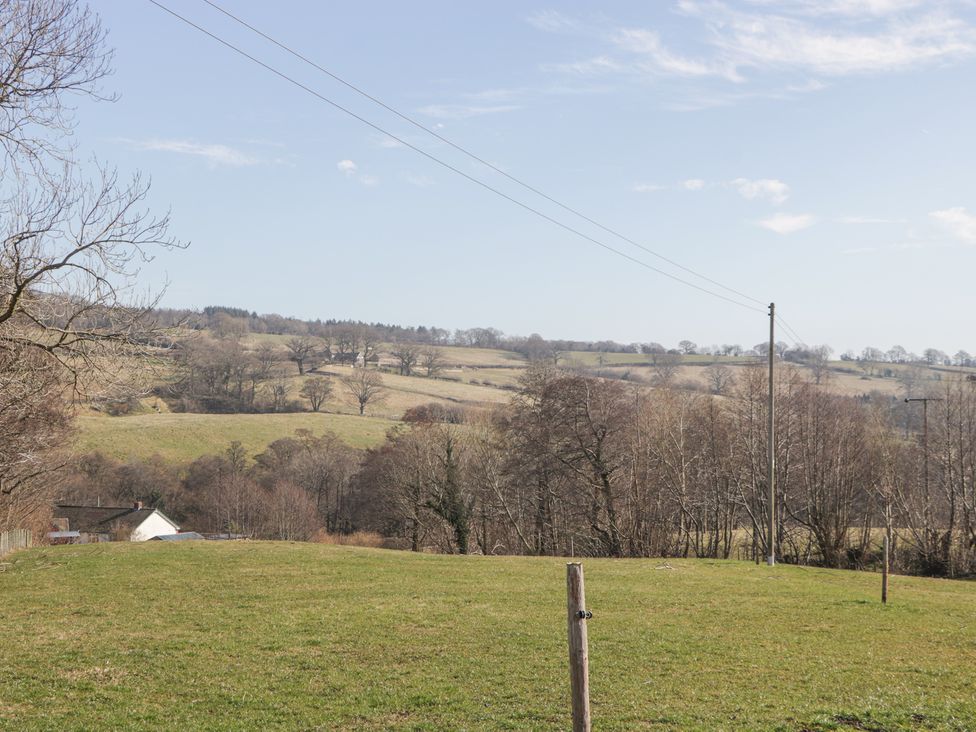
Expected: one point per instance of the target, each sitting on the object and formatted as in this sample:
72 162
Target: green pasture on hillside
184 437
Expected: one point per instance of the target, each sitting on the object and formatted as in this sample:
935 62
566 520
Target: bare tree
301 349
432 361
267 359
665 367
70 247
368 344
317 390
365 387
819 361
688 347
279 393
407 355
50 49
719 377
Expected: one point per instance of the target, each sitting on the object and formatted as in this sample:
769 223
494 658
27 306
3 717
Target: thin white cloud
858 220
693 184
777 42
421 181
757 40
848 8
215 154
783 223
495 95
589 67
654 57
351 170
552 21
649 187
388 143
464 111
769 189
958 222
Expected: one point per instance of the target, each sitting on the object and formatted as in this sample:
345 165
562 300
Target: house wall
155 525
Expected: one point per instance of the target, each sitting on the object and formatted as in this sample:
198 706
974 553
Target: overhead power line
419 125
794 336
447 165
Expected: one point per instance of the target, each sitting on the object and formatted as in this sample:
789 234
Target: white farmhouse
107 523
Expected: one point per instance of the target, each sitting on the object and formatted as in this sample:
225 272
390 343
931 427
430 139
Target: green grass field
229 636
183 437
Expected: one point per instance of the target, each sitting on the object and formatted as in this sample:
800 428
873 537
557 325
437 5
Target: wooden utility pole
771 447
884 572
579 671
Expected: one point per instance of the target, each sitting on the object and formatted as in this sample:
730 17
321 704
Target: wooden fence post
579 672
884 573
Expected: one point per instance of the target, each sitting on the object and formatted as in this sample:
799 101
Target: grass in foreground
299 636
183 437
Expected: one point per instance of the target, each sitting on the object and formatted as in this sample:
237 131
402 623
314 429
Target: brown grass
369 539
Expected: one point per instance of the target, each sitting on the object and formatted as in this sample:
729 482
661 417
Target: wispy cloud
215 154
849 8
348 167
649 187
464 111
421 181
351 170
769 189
958 222
552 21
655 58
783 223
776 42
785 47
765 189
387 142
859 220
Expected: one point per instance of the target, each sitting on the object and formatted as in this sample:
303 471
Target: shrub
356 538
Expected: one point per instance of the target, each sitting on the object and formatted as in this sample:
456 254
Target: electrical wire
794 336
448 166
407 118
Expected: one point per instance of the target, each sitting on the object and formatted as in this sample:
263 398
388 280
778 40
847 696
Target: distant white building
113 523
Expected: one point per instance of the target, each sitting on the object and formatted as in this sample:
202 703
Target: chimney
137 505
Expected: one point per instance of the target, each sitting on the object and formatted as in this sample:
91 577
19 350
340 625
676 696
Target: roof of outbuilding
99 519
185 536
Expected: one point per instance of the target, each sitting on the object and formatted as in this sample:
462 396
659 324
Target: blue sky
818 153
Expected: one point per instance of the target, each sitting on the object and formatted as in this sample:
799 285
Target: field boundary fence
15 539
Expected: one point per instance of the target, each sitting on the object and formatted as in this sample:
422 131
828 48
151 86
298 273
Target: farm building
108 523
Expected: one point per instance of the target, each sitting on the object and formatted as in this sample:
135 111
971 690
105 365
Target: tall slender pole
579 672
771 448
884 570
925 453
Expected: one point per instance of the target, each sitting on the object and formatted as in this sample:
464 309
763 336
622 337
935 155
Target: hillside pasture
404 392
258 635
184 437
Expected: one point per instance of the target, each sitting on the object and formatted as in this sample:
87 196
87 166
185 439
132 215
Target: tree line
593 467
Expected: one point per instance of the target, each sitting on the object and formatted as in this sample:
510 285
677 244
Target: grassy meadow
185 437
257 635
